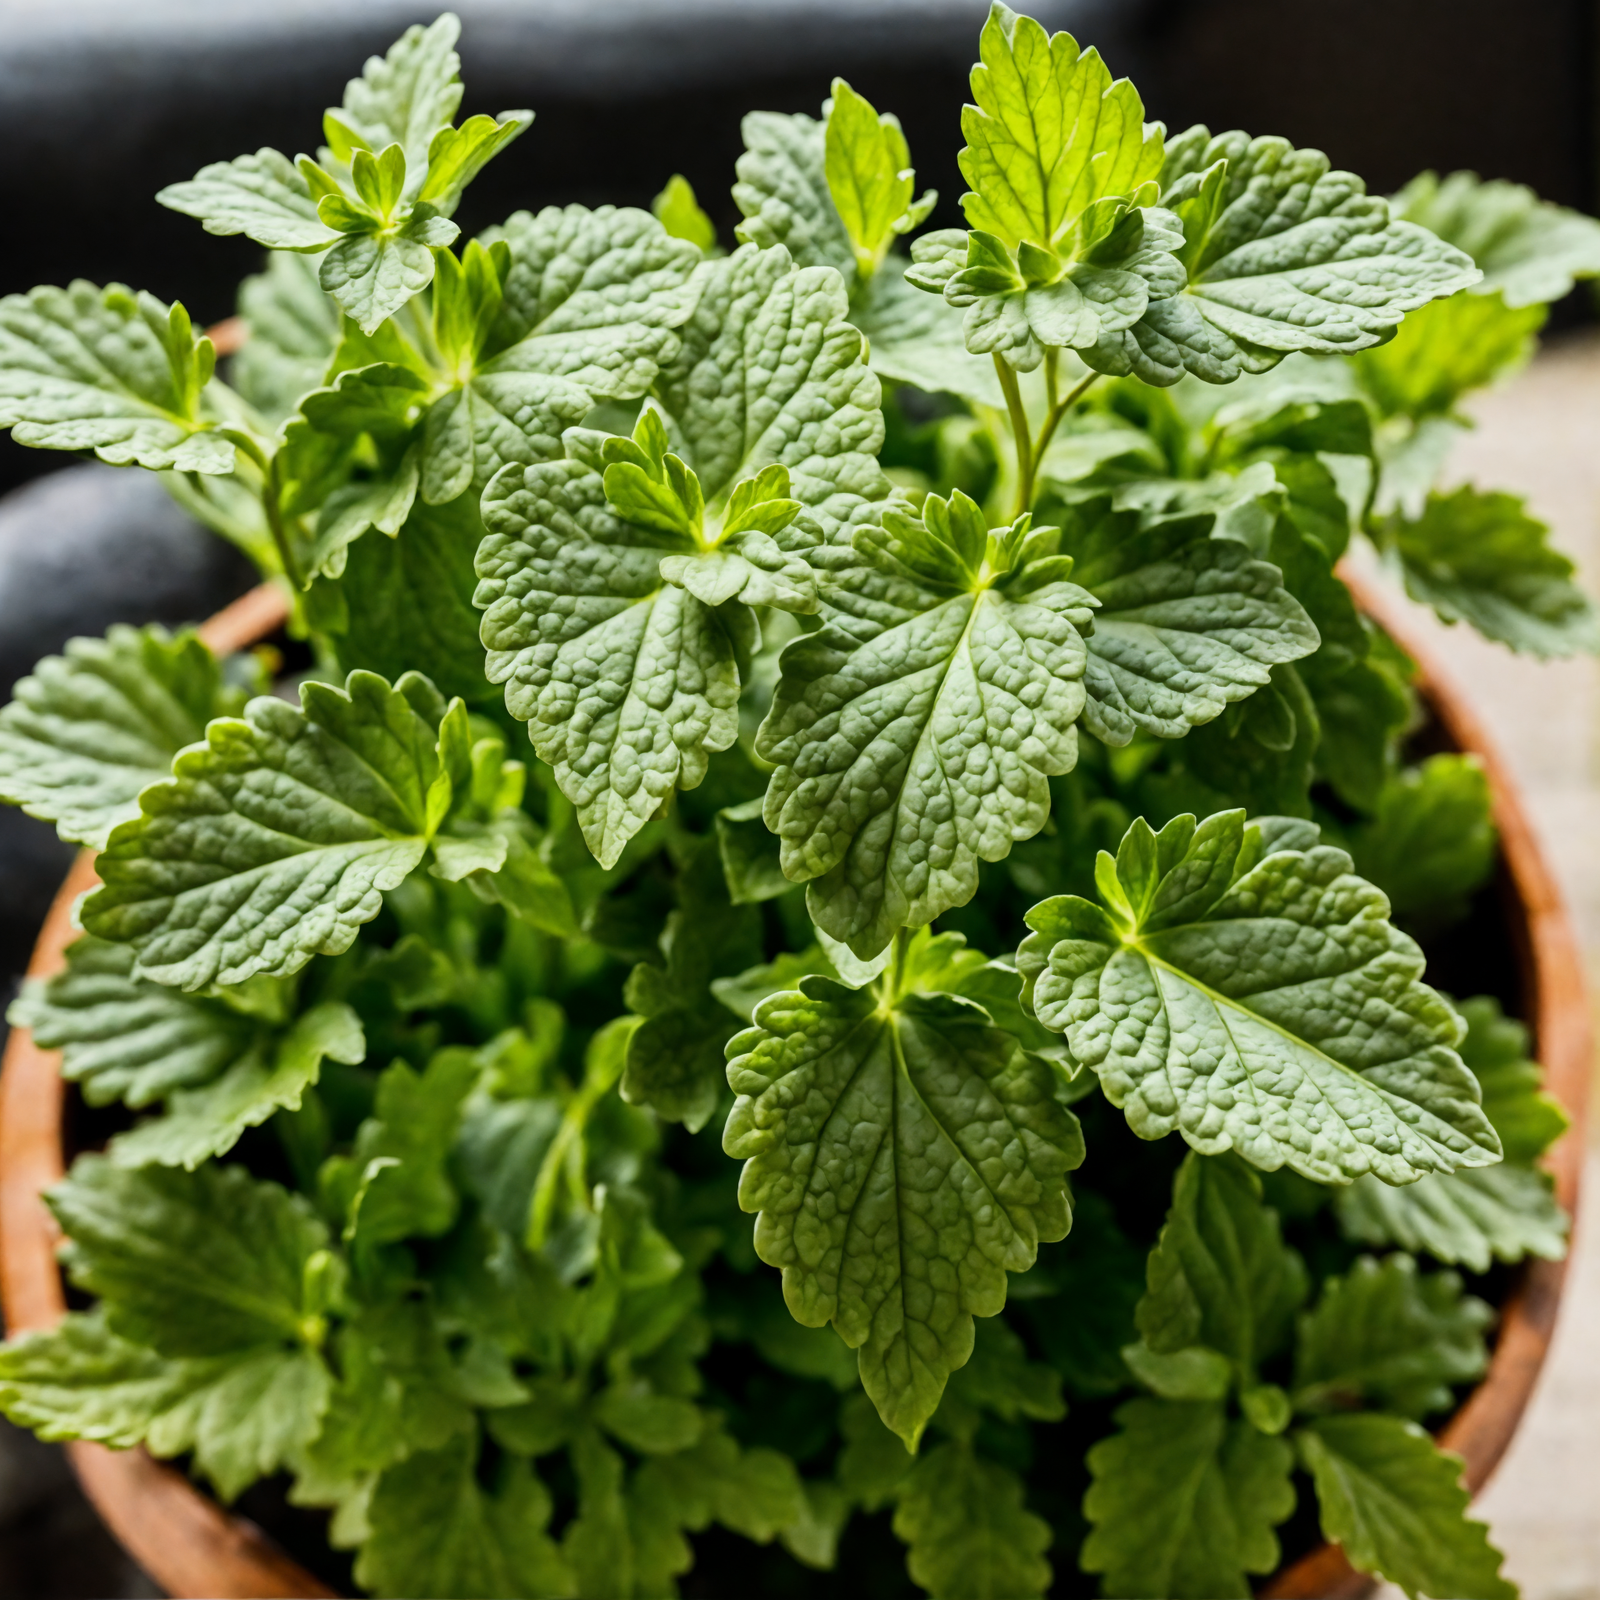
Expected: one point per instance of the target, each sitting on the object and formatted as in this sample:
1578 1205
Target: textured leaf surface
243 1415
627 682
592 296
902 1161
1527 1119
1242 986
1480 558
205 1122
968 1532
106 370
771 371
293 329
1386 1336
915 338
263 196
914 734
88 730
1186 625
1528 249
1395 1501
1284 254
1184 1502
275 839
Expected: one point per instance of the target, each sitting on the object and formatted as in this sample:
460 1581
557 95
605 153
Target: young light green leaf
1187 624
373 272
1220 1275
1469 1219
408 95
1396 1503
1431 843
264 196
243 1415
1184 1501
206 1122
679 212
868 169
967 1528
914 734
627 681
595 296
1240 985
903 1158
1283 254
1387 1337
293 328
770 372
437 1532
1529 250
457 155
206 1263
275 839
1050 134
89 729
84 368
1480 558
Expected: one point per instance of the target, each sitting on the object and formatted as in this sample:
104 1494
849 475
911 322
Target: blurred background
102 102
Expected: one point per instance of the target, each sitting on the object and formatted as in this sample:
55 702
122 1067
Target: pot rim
194 1547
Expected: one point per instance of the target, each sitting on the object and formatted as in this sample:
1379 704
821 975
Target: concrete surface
1539 436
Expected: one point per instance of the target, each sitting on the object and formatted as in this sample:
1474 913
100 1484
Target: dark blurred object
79 550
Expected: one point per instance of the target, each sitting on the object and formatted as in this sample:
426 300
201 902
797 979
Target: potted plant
956 767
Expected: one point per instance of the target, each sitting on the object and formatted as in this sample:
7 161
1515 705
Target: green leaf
1260 752
86 731
1283 254
1444 350
408 95
1395 1501
292 329
742 994
1240 985
1529 250
868 169
106 370
1527 1119
1184 1501
205 1263
968 1530
675 1057
457 155
1480 558
1187 624
770 372
123 1037
679 212
264 196
439 1534
903 1158
627 681
783 191
243 1415
1469 1219
595 296
1220 1275
914 734
750 861
1000 1379
1431 844
373 274
206 1122
1050 134
275 839
916 339
1386 1337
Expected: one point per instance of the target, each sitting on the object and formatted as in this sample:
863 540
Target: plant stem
1021 434
271 503
1059 409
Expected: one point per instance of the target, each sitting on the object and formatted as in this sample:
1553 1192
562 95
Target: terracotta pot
192 1547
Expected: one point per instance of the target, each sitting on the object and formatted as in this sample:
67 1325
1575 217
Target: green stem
1059 409
271 503
1021 434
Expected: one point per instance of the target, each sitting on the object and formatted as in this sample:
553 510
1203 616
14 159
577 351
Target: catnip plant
812 757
